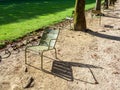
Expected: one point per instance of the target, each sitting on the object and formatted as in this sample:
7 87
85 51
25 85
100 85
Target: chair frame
42 51
95 12
70 19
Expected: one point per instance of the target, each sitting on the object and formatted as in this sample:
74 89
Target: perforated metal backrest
49 38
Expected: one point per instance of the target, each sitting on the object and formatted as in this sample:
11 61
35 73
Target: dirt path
85 60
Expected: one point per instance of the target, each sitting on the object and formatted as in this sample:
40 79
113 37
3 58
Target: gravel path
88 61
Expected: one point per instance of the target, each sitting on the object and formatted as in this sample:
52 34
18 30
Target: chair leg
70 25
91 19
56 53
42 60
25 69
100 21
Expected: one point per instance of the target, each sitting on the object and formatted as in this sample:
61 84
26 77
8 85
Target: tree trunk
106 4
98 5
112 2
79 16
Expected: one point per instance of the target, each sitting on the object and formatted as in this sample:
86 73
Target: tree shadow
108 26
111 16
19 10
90 1
116 38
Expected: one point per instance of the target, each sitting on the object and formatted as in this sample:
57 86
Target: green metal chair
97 14
47 42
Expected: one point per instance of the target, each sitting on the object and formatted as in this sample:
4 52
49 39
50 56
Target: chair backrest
49 38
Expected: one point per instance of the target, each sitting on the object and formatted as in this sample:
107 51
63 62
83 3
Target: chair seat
38 48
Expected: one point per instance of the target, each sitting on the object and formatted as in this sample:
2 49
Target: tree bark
112 2
79 16
98 5
106 6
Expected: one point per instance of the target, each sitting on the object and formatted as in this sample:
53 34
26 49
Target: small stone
24 42
118 59
28 82
115 73
96 82
103 31
25 69
77 83
72 36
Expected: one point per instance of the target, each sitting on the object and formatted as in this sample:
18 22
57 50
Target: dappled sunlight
28 10
18 18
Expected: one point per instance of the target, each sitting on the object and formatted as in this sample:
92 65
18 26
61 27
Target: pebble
27 81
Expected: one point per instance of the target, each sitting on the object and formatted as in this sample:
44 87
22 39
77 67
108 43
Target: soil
87 60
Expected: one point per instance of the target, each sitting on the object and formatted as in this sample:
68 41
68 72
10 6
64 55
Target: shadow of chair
63 70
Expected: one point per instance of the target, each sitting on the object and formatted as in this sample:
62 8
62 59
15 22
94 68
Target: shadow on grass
18 10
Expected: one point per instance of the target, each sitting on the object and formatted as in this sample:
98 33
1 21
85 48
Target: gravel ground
87 61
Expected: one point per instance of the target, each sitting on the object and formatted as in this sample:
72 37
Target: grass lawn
19 17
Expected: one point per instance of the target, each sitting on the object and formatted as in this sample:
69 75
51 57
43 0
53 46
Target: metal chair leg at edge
55 53
26 69
41 60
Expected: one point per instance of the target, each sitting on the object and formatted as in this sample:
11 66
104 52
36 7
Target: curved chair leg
25 69
56 53
42 60
70 25
100 21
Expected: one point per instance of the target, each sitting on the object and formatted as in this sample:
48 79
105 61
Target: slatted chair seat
37 48
47 42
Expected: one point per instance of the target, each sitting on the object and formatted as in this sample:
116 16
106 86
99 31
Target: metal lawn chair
47 42
96 13
70 19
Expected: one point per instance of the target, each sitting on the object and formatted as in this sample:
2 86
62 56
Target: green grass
19 17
